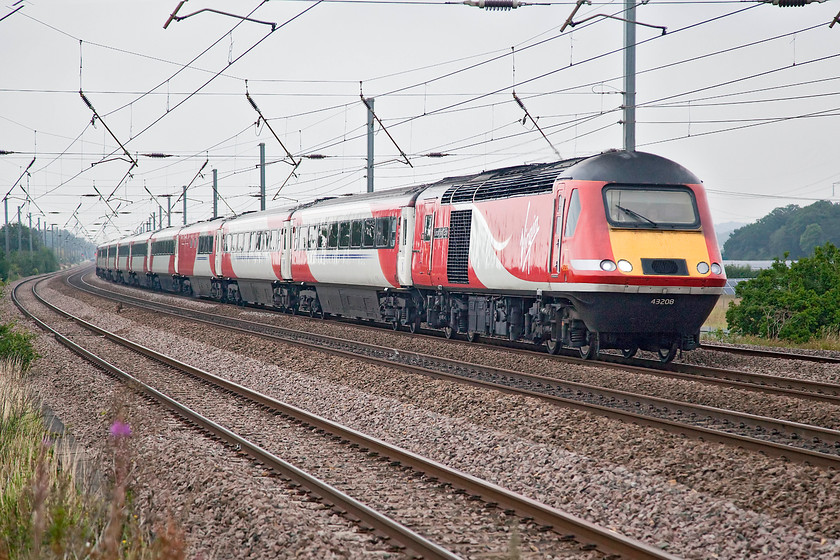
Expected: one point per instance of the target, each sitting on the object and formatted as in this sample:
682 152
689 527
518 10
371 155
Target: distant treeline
791 229
20 261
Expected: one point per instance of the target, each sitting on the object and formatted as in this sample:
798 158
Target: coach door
425 242
557 235
406 241
284 247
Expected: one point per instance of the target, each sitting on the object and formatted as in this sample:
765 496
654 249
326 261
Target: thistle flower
120 429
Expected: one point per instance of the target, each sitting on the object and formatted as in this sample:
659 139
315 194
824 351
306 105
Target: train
612 251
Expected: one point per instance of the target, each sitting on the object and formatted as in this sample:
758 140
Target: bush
16 346
793 303
740 271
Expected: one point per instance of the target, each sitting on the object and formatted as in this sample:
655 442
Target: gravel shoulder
699 500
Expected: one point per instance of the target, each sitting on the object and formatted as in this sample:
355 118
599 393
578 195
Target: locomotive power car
615 251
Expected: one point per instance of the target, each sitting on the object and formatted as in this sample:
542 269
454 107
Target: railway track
776 354
795 441
764 383
358 448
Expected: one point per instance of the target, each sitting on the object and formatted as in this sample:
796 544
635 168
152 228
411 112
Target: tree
812 237
794 303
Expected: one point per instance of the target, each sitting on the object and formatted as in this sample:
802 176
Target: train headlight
703 267
625 266
607 265
716 269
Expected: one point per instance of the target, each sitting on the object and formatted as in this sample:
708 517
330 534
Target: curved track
592 536
795 441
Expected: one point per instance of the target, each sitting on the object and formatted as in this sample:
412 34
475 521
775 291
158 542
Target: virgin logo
526 241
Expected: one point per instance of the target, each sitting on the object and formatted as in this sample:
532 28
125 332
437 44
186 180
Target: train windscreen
646 207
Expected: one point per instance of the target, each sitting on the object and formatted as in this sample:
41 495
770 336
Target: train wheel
590 351
630 351
472 336
395 325
553 346
448 332
414 326
666 355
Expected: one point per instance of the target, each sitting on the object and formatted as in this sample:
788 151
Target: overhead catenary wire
181 161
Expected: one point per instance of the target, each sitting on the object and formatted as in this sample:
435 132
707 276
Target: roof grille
506 183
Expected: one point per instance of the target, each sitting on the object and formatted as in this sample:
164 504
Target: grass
717 319
45 512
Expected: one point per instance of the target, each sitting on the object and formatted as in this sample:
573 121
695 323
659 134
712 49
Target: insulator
790 3
494 4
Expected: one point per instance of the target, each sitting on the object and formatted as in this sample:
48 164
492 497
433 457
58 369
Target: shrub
795 303
16 346
740 271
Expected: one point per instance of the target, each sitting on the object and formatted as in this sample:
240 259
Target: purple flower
120 429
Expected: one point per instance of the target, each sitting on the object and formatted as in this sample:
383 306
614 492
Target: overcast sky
744 94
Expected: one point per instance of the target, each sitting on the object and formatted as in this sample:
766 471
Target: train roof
267 219
619 166
400 196
134 238
205 226
614 166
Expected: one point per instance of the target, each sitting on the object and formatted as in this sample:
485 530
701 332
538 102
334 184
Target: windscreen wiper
636 215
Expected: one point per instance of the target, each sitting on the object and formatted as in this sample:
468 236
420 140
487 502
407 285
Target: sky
744 94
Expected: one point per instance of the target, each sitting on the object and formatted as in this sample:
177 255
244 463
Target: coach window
369 228
313 238
356 233
303 233
333 239
574 214
344 234
385 234
323 236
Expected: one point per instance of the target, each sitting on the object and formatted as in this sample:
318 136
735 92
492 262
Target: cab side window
427 228
574 214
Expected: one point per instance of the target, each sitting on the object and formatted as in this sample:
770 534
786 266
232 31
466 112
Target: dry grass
717 319
44 512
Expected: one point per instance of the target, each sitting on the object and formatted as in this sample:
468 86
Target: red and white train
615 250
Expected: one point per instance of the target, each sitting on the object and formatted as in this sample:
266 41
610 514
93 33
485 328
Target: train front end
650 271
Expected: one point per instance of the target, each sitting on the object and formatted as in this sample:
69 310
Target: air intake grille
506 183
457 262
665 267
